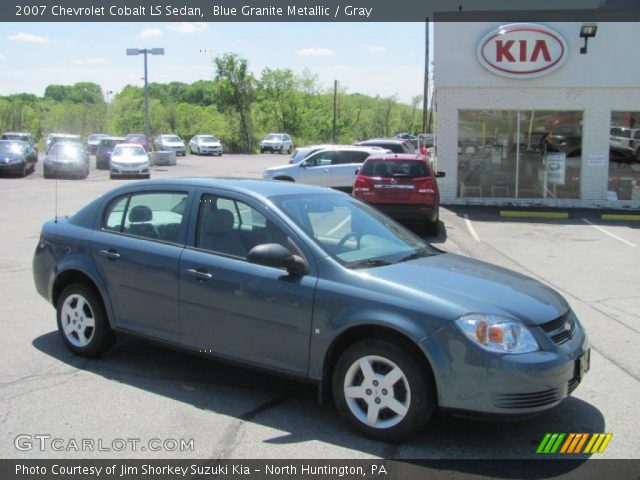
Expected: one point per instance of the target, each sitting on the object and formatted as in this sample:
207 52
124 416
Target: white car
170 143
277 142
333 167
130 159
627 140
205 144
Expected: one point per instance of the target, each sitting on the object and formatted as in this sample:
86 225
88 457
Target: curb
525 214
620 217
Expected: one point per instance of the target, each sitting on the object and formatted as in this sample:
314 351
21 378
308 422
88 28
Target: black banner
317 10
317 469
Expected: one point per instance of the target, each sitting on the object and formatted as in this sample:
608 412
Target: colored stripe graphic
553 443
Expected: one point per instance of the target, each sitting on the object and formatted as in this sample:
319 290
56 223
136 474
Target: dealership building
538 113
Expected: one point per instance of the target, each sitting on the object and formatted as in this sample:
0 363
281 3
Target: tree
236 93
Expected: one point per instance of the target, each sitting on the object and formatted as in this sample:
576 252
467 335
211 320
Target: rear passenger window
353 157
155 216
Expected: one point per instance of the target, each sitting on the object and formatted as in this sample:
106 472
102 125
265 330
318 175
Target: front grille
561 329
526 400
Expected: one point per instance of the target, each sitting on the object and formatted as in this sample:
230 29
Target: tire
433 227
401 409
195 151
25 170
82 321
261 151
289 150
111 176
46 173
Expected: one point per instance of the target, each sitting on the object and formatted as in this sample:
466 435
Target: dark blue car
312 283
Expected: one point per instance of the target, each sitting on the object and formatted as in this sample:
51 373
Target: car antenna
56 201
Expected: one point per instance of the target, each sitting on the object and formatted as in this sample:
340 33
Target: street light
587 31
145 51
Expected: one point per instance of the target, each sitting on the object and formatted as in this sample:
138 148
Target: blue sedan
310 282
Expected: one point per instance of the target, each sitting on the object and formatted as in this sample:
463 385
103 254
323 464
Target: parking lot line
606 232
472 230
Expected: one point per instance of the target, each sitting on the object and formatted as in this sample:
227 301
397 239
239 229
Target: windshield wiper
423 252
370 262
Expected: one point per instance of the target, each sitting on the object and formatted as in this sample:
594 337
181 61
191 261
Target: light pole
145 51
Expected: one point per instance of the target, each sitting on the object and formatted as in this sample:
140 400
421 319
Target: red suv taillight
362 186
427 187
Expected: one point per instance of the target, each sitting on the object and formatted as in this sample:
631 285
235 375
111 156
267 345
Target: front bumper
203 149
119 169
13 167
63 168
271 148
470 379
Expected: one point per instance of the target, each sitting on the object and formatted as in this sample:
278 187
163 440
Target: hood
462 285
272 141
210 144
279 168
129 158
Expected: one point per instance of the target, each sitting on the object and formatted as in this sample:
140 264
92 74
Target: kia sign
522 50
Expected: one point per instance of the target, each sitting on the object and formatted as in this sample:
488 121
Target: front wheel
383 391
82 321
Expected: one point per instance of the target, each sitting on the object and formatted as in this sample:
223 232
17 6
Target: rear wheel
382 390
82 321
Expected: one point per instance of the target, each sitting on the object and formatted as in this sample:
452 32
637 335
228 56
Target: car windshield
300 154
136 138
621 132
394 168
129 150
10 147
207 138
66 149
14 136
350 231
273 136
171 138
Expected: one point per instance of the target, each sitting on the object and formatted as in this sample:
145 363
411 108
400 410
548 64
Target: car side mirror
277 256
357 170
441 174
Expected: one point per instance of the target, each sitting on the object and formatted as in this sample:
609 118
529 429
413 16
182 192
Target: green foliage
233 105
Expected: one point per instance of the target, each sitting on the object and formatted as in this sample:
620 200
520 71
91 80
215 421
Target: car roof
356 148
137 145
112 138
391 140
399 157
64 135
16 133
249 186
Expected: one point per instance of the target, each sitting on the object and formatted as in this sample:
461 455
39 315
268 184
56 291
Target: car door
315 170
343 170
137 252
236 309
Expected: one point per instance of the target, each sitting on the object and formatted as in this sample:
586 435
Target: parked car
412 139
66 160
129 159
427 139
26 144
93 141
301 153
396 145
24 137
169 143
16 158
310 283
140 139
54 138
334 167
205 144
403 186
627 140
105 149
276 142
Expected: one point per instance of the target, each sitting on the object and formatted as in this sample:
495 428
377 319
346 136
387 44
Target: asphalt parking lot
143 391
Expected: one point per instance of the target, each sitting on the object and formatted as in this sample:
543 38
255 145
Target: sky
371 58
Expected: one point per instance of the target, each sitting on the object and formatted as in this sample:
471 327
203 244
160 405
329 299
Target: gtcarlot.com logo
574 443
44 442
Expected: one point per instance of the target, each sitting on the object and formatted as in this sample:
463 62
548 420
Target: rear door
344 167
137 251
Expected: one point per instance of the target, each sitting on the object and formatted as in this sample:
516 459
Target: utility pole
335 109
425 96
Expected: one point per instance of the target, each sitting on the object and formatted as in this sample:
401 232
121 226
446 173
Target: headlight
498 334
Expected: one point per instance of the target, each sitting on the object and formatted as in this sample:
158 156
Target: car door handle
200 273
110 254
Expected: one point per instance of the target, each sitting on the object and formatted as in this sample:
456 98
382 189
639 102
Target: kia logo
522 50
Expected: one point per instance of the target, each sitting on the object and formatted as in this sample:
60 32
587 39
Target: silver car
130 159
205 144
170 143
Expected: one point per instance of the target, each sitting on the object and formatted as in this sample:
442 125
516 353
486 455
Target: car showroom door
137 251
237 309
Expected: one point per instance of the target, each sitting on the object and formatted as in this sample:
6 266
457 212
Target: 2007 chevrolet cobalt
310 282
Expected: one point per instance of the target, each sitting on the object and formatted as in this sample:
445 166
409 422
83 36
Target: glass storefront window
519 154
624 156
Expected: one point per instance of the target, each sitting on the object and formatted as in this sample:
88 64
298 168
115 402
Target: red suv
401 185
